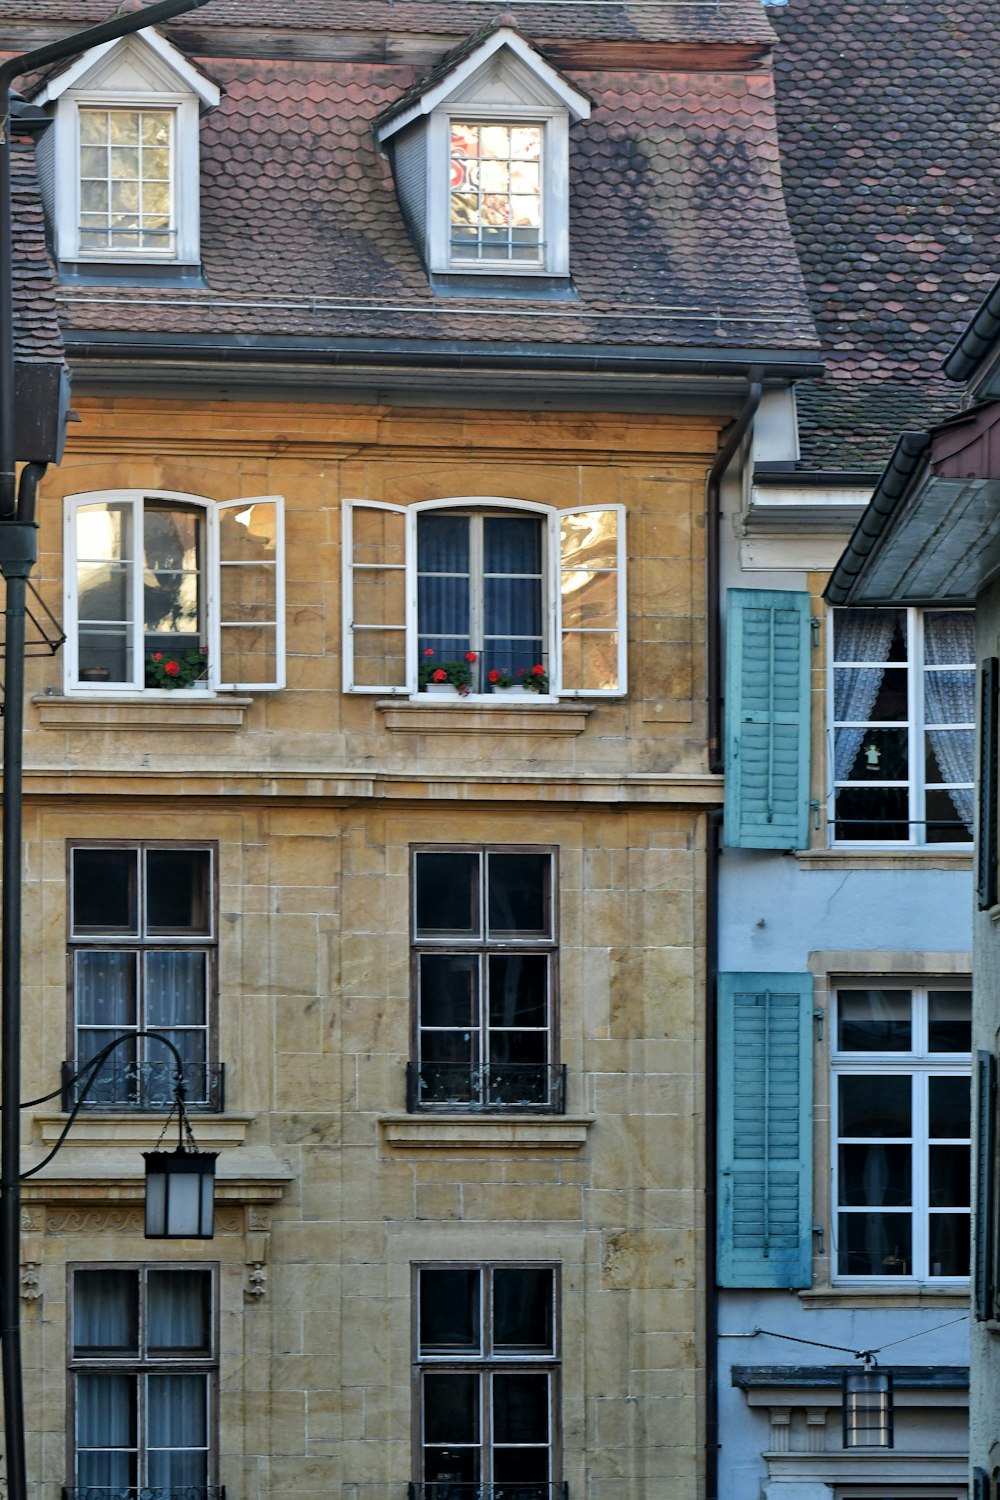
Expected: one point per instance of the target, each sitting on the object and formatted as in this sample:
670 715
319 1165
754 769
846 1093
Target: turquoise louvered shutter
767 720
765 1130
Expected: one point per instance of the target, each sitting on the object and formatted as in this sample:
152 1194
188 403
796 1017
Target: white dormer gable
124 154
481 159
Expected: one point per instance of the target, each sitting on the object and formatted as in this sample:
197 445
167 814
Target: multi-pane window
487 1359
126 192
142 958
166 592
903 716
901 1123
142 1362
495 197
514 587
484 974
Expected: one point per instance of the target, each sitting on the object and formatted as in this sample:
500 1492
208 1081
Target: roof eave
890 495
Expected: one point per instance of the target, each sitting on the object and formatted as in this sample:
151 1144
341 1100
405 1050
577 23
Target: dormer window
120 169
481 159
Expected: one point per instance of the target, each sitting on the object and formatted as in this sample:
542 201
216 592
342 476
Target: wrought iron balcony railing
145 1086
447 1489
145 1492
495 1087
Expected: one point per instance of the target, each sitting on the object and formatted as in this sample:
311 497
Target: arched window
511 584
167 591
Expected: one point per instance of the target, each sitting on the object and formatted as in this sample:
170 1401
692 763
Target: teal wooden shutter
983 1252
987 851
765 1130
767 720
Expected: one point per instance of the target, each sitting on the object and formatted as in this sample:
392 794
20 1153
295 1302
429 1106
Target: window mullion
477 608
919 1194
915 697
138 508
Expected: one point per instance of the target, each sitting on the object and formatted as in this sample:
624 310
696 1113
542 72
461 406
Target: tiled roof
37 339
597 20
677 225
889 118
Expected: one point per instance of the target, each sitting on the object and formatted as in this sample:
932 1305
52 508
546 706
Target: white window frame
552 612
214 563
919 1064
916 783
173 84
553 257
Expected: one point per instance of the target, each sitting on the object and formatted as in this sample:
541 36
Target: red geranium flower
157 655
428 652
470 656
494 675
440 675
171 668
538 670
520 671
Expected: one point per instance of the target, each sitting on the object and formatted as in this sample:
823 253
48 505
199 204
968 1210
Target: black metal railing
144 1492
144 1086
496 1086
447 1489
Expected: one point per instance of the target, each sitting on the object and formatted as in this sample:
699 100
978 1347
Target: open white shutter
248 617
591 602
374 595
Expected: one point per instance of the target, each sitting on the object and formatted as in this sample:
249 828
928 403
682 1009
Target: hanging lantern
180 1194
867 1407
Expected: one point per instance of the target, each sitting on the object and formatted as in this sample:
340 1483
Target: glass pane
113 1472
105 988
379 658
589 540
249 654
863 695
949 1244
447 894
875 1176
443 614
589 600
949 636
182 1473
872 1105
590 661
873 1020
523 1309
105 1312
521 1408
175 991
949 1176
518 989
446 1059
451 1408
869 635
155 126
872 814
449 1309
875 1244
106 1418
513 606
93 126
442 544
378 536
177 1415
949 816
179 1312
519 888
512 544
177 890
104 890
249 534
521 1473
949 1108
949 1020
104 654
871 754
448 989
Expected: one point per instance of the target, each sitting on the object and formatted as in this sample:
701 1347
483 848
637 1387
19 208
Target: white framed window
120 173
142 957
485 960
487 1360
902 717
173 593
901 1120
481 161
510 584
143 1372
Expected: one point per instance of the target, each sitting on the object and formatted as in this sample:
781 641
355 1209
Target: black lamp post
17 555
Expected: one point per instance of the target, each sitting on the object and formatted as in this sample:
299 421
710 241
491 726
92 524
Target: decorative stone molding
816 1417
781 1426
31 1285
210 715
485 1132
63 1221
502 718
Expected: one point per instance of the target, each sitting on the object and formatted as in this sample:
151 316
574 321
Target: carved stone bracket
31 1284
257 1235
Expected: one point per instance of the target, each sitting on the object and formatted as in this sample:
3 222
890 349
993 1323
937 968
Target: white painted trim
214 615
188 76
347 598
562 92
621 582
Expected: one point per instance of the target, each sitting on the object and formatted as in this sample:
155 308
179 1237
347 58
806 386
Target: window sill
483 715
141 1129
885 859
885 1296
148 711
485 1132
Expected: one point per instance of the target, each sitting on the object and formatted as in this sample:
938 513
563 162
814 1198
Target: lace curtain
949 698
863 635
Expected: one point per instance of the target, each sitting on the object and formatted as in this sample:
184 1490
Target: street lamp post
17 555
